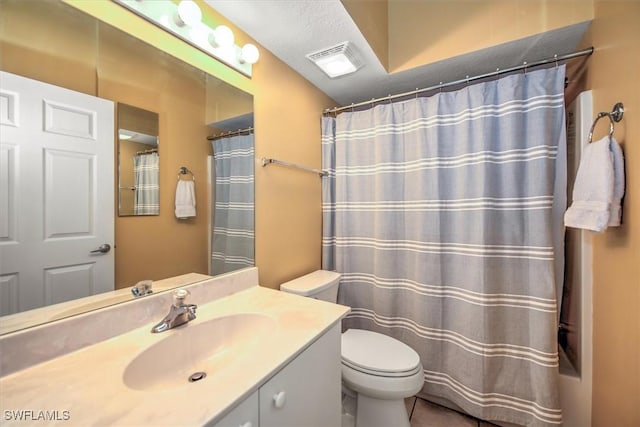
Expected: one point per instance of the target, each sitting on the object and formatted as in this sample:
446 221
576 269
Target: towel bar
266 161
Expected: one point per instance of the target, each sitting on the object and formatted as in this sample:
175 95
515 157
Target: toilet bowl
378 370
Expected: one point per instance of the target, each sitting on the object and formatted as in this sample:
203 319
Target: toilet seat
382 373
379 355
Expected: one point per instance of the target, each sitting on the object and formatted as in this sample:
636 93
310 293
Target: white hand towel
593 189
615 211
185 199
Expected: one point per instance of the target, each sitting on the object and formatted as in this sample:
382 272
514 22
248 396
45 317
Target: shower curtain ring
441 87
525 67
417 90
555 57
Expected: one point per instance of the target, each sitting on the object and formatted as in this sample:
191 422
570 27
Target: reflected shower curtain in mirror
233 235
147 189
441 214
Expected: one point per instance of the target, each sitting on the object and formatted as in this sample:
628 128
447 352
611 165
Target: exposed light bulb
249 54
222 36
200 34
189 14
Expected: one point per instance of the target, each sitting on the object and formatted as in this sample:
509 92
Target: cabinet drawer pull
279 399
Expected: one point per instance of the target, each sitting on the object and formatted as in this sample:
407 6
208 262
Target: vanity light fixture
337 60
184 20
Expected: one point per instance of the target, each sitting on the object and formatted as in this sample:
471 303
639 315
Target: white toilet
378 370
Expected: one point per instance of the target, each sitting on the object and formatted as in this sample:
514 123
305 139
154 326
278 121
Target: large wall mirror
162 107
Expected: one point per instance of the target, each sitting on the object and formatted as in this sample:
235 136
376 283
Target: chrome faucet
142 288
179 313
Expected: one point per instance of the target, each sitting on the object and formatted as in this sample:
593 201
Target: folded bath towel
593 192
185 199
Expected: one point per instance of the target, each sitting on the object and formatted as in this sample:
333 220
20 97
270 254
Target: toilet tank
321 284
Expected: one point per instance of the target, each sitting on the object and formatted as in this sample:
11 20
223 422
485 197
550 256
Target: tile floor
426 414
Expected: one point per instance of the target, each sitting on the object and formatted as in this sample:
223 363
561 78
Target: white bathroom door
56 194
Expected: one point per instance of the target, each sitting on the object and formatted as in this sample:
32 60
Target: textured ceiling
290 29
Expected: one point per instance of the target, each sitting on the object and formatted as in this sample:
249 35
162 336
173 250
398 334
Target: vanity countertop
86 387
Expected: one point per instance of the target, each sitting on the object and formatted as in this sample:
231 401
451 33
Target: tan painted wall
422 32
45 54
288 201
372 18
225 101
613 76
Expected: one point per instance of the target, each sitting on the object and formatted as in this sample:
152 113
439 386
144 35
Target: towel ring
614 116
183 171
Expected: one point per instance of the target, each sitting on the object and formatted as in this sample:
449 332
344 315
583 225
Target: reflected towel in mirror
185 199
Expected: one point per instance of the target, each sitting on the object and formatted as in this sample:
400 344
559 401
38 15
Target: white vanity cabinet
243 415
305 393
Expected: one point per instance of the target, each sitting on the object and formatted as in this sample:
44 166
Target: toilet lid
377 353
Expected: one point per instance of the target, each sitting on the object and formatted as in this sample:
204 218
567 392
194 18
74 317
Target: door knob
102 249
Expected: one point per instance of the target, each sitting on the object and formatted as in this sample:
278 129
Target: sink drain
197 376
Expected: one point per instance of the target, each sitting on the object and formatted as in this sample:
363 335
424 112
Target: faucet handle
142 288
179 295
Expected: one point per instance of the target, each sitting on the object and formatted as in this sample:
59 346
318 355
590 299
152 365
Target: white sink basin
208 347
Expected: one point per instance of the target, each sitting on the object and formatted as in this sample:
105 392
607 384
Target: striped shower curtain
439 214
146 198
233 224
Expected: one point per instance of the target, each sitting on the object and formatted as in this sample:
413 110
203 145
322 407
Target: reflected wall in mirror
75 51
138 162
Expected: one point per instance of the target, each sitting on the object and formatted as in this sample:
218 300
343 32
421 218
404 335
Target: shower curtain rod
524 66
230 133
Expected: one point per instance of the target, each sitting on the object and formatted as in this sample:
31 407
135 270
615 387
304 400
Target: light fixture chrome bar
556 59
266 161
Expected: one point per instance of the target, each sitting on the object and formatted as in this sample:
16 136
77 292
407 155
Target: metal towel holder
614 116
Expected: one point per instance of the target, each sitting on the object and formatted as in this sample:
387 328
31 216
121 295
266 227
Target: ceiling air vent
337 60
